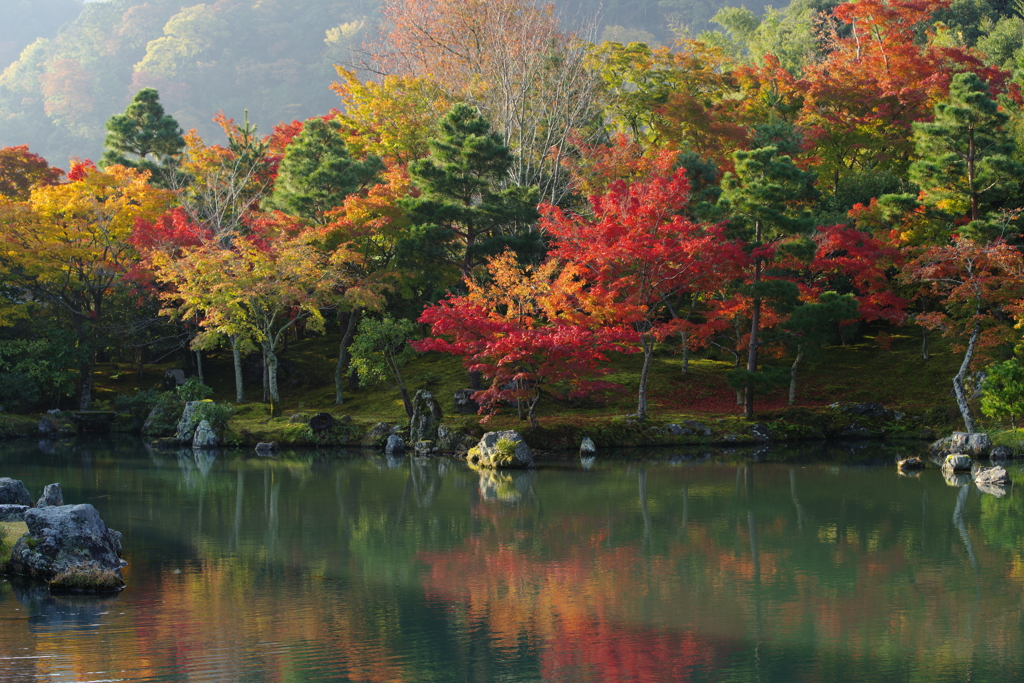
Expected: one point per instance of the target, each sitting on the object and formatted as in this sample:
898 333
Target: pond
773 566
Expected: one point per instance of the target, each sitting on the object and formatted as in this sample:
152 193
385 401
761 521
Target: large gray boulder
66 537
52 497
974 444
500 450
395 445
13 492
426 417
377 436
205 436
188 422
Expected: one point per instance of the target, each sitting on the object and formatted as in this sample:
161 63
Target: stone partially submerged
992 480
68 540
500 450
957 462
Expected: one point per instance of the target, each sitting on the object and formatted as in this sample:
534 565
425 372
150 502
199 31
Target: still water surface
352 567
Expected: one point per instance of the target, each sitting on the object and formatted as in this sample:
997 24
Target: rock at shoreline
500 450
912 463
56 425
426 417
957 462
266 447
587 447
451 440
974 444
188 422
377 436
395 445
13 492
992 476
52 497
205 436
62 538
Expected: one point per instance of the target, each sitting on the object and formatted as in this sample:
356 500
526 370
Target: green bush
193 390
217 414
136 407
19 393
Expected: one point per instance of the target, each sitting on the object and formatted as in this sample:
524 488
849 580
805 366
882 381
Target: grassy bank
885 368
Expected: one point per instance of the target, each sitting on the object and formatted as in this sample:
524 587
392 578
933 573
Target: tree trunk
266 379
647 343
406 401
686 351
199 366
958 380
85 375
755 324
140 361
755 321
792 374
475 380
339 368
925 355
275 396
85 364
236 357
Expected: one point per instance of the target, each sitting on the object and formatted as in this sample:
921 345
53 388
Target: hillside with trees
562 217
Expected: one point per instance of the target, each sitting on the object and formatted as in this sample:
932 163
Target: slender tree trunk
199 366
958 380
755 325
275 396
85 365
266 378
140 361
406 401
339 368
519 400
85 374
236 357
925 354
647 343
792 374
686 351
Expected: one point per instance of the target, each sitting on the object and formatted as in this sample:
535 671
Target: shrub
18 393
193 390
137 407
217 414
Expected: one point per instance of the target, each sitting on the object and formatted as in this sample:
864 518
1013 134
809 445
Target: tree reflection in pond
352 567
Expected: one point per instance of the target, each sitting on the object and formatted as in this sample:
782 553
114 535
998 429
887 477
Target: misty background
68 66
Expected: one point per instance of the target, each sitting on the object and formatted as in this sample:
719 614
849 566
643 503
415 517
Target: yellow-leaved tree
67 246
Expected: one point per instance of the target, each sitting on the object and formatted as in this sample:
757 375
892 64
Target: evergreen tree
317 172
966 165
143 137
461 217
763 198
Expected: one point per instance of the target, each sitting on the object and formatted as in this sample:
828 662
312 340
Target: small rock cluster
61 539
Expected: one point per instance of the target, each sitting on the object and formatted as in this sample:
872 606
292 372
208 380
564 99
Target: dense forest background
68 66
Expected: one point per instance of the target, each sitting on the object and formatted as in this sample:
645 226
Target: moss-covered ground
884 368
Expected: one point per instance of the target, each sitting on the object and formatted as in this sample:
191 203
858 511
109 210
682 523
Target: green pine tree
461 217
317 172
765 198
144 137
966 166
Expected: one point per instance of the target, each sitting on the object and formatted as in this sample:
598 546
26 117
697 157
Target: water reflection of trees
652 571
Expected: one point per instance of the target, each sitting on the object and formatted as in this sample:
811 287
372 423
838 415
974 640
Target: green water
735 567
